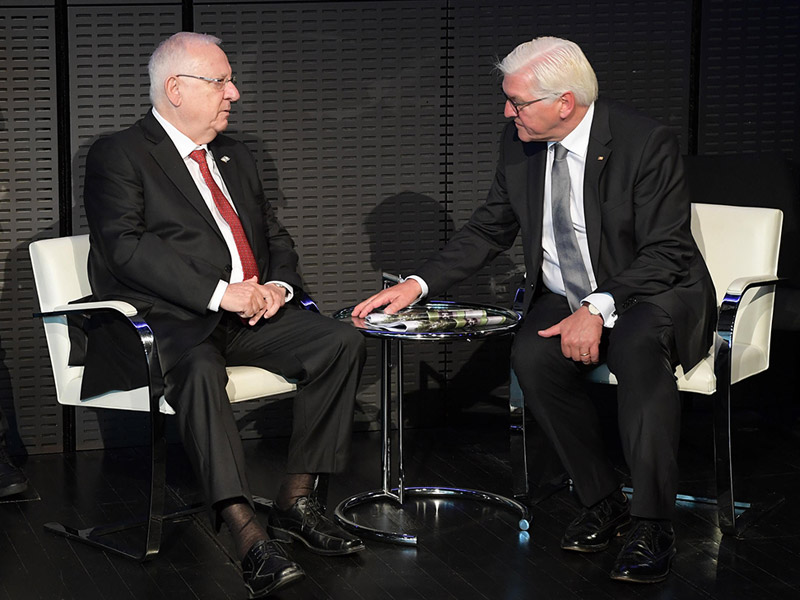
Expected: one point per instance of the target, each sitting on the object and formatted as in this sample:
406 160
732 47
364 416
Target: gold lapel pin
598 158
225 159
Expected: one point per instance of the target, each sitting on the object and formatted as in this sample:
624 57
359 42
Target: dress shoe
304 521
266 568
12 480
647 554
595 526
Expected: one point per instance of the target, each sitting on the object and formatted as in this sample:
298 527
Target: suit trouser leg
556 392
640 351
3 426
642 355
195 388
324 356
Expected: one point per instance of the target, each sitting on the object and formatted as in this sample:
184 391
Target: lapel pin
225 159
598 158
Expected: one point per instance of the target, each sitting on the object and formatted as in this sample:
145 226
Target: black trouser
324 356
640 351
3 427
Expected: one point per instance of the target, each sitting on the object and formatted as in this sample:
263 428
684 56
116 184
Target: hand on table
394 298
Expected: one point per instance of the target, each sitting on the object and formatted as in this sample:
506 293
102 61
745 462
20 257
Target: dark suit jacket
154 242
637 217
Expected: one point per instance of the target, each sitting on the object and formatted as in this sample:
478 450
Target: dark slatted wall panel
342 104
376 128
750 77
641 54
28 210
109 47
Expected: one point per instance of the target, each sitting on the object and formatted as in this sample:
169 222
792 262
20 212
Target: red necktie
249 266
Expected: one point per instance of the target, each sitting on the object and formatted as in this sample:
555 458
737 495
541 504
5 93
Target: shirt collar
577 140
183 144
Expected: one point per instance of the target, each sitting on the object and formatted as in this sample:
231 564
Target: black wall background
375 126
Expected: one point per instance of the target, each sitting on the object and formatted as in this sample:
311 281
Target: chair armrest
731 303
741 284
130 313
307 302
82 307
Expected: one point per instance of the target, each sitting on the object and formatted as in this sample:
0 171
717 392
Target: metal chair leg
153 524
733 517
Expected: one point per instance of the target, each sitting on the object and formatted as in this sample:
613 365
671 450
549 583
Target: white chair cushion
747 360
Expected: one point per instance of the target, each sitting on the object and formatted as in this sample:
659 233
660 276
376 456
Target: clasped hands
252 300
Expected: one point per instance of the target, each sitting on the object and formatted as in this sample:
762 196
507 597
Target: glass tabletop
445 320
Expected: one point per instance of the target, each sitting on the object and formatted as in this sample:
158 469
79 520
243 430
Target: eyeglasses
219 82
517 106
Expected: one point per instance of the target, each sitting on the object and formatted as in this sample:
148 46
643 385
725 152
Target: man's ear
173 91
567 106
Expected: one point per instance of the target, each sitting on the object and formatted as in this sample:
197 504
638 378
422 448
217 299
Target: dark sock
294 486
243 525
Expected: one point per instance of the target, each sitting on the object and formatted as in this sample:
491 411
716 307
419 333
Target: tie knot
561 152
199 156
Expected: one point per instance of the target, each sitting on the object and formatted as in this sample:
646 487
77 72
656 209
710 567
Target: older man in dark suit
180 228
598 194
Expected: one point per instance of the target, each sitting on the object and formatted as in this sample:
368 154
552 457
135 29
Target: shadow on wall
404 230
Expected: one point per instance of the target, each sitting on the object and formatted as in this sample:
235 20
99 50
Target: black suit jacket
638 219
154 242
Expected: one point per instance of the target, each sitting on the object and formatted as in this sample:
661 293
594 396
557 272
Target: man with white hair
180 228
613 274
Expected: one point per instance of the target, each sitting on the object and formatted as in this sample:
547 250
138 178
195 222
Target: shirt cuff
216 297
422 285
289 289
604 302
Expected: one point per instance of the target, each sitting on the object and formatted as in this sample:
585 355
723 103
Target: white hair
554 66
172 56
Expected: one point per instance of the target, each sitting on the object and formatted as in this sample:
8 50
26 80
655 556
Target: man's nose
508 110
231 91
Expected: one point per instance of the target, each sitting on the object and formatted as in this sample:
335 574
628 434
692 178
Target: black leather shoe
305 522
595 526
12 480
265 569
647 554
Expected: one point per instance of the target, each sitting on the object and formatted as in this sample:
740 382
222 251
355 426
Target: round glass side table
398 494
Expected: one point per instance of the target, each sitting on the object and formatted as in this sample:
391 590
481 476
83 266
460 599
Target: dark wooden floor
467 550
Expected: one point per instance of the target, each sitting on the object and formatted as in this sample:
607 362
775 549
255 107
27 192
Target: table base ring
425 492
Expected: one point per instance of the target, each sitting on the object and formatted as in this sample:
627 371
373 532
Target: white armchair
60 273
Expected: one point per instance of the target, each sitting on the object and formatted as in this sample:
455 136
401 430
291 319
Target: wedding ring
584 354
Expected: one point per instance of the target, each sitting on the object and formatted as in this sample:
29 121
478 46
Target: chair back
739 241
60 270
61 275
